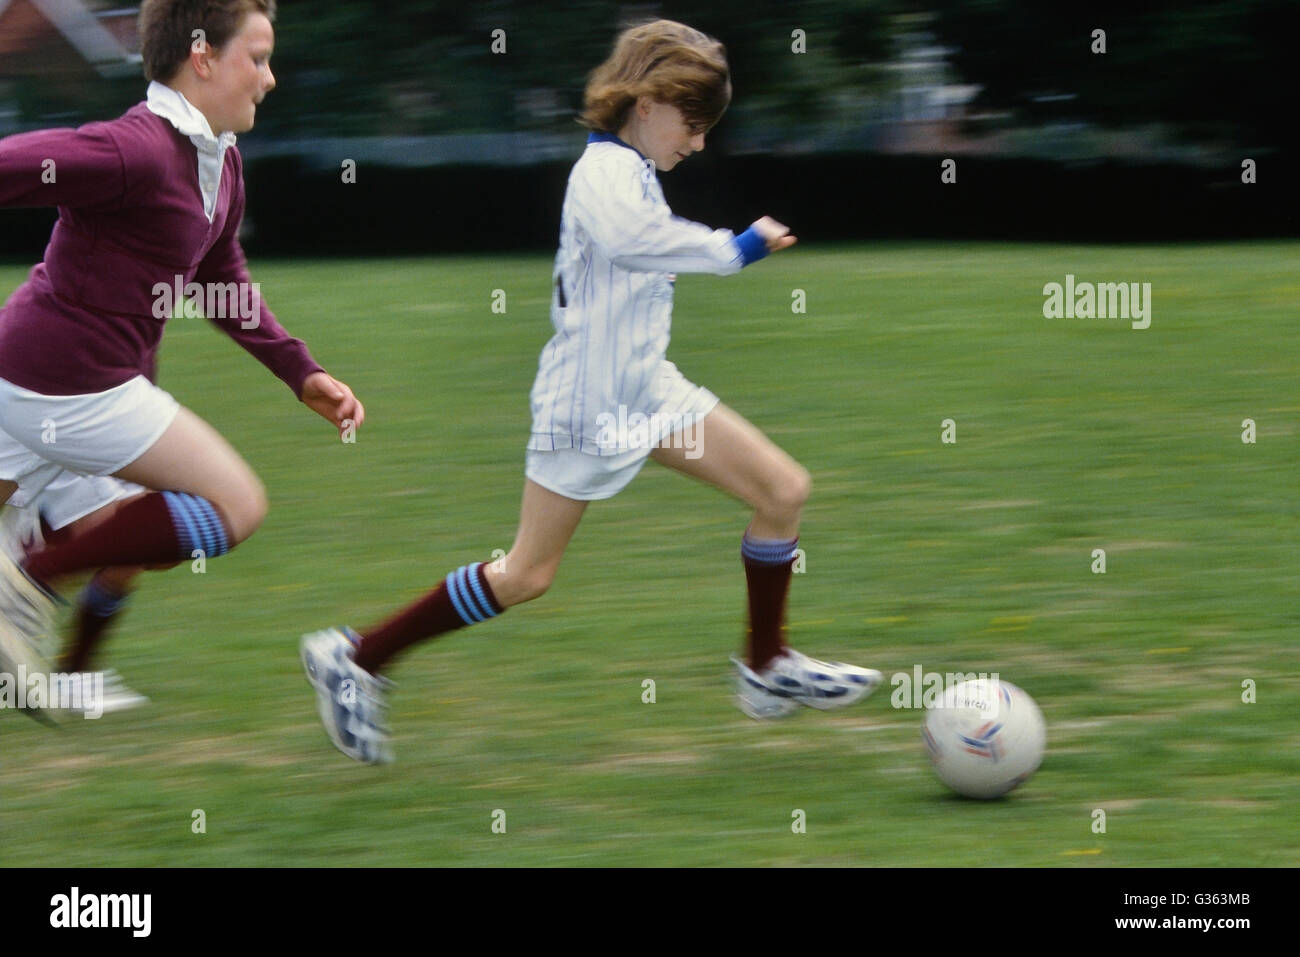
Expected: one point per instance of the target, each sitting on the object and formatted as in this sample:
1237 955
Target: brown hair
167 29
666 60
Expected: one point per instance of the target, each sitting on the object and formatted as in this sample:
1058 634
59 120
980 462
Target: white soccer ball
985 737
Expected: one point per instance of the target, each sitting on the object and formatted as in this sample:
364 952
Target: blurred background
843 112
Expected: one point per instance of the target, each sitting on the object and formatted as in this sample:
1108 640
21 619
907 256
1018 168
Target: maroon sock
142 532
463 598
768 565
97 609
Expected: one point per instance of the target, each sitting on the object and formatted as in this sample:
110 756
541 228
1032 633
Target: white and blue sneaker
350 699
792 679
759 698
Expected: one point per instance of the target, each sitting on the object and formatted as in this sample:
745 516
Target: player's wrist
752 245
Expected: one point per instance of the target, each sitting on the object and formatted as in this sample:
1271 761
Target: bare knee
788 493
536 583
514 586
243 508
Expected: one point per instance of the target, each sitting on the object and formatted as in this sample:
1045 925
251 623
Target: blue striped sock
470 594
100 602
768 551
197 525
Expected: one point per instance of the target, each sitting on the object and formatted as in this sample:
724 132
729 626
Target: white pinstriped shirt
612 301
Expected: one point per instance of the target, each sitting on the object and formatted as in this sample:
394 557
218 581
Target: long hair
668 61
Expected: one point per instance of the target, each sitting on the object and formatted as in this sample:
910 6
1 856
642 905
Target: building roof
41 36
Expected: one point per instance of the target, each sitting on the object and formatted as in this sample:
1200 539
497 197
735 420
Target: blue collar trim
611 138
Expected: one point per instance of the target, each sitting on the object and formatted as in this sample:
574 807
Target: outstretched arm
76 168
636 232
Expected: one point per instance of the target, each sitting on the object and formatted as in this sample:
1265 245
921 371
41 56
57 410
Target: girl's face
241 76
661 133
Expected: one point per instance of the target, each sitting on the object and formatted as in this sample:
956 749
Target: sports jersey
620 246
133 218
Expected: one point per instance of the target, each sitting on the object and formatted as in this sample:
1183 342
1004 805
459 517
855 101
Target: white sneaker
117 696
79 693
26 607
757 697
20 531
795 678
349 699
18 650
18 661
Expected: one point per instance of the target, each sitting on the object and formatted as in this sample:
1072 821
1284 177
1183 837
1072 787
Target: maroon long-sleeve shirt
130 217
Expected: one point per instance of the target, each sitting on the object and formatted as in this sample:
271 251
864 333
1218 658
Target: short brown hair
666 60
167 29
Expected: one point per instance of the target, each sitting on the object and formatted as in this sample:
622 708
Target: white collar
172 106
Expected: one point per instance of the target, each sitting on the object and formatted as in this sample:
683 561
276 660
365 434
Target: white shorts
584 477
72 496
66 499
588 478
96 434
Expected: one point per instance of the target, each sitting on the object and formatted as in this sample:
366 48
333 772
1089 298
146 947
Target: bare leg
739 459
742 461
547 522
191 456
736 457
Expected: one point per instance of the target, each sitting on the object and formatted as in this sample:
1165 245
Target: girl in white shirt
605 398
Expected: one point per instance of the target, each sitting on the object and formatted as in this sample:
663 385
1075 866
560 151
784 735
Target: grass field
1072 434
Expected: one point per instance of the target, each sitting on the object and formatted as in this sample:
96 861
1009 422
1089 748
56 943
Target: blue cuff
752 246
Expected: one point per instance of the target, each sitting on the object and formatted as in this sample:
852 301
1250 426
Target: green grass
1071 435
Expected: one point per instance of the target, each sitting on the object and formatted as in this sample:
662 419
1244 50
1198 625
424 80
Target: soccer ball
985 737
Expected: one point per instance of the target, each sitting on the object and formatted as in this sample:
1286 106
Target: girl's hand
774 234
333 400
